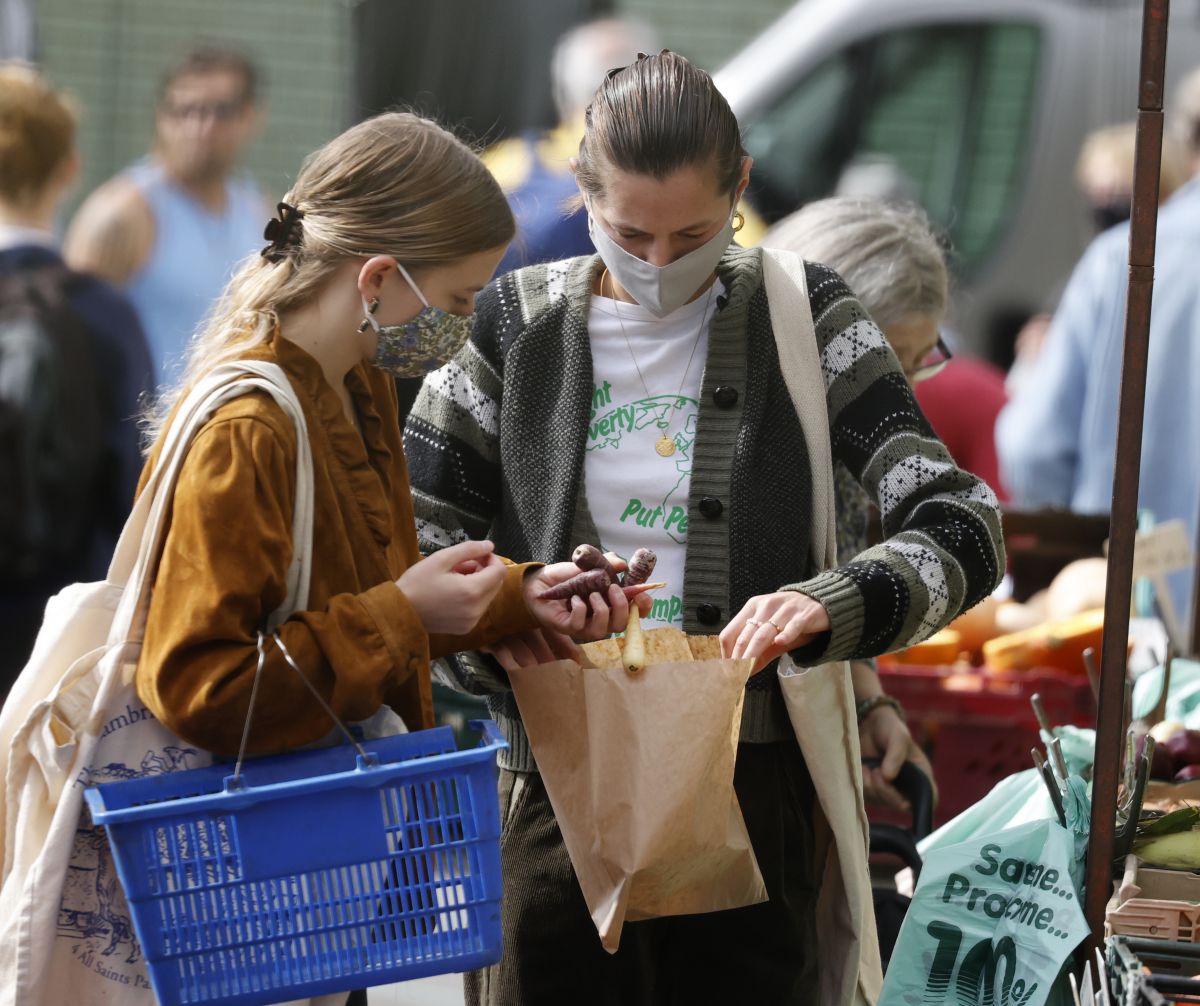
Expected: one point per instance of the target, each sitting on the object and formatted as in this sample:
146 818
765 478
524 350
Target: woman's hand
884 735
528 649
772 624
452 588
599 616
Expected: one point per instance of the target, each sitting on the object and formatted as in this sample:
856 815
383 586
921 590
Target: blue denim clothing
1057 439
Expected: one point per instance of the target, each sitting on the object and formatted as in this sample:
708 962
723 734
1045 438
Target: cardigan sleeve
222 572
452 444
943 550
452 441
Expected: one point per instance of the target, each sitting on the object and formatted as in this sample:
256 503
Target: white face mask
661 289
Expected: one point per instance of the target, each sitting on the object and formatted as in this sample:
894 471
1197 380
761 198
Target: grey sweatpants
759 954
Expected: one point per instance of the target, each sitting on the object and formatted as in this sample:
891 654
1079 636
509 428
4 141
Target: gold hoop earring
739 221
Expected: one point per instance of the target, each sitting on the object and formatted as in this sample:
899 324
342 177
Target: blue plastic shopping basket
315 872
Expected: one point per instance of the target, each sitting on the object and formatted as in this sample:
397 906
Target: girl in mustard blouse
374 260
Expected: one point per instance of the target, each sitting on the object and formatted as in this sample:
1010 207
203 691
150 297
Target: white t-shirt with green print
637 497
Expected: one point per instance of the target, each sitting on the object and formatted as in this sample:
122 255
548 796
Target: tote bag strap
800 364
141 540
820 700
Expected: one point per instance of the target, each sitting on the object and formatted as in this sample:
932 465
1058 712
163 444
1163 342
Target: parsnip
633 652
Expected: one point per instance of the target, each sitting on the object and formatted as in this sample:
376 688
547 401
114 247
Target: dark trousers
759 954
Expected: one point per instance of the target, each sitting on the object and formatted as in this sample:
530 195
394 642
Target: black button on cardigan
725 396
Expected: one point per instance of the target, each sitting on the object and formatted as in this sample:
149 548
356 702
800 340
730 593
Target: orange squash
977 625
1057 644
942 647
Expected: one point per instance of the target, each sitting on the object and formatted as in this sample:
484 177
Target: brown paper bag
639 770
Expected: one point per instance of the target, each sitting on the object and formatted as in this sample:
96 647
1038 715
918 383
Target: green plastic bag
994 919
1183 700
1015 800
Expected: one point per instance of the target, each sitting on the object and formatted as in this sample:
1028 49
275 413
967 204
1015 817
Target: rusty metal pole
1113 670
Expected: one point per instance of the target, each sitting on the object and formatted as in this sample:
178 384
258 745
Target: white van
981 104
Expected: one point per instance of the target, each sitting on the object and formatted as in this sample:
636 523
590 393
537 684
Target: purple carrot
589 557
641 565
641 588
592 581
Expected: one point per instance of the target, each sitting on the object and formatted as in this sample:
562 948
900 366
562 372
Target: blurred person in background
73 368
889 257
1104 174
534 169
171 229
1057 437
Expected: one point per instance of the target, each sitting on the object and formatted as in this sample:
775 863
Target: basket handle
491 733
365 758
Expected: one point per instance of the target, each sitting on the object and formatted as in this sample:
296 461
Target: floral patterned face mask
423 343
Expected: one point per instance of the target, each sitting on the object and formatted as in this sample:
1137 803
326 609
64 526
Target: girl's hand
601 614
451 589
772 624
528 649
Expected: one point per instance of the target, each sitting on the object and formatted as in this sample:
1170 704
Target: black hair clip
283 231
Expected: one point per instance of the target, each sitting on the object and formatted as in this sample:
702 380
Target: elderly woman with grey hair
888 255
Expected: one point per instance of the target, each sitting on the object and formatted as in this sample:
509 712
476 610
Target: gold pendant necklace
664 446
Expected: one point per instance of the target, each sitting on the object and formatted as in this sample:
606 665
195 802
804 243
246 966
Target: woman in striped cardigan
636 398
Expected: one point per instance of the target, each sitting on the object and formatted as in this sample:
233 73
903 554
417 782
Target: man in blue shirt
1057 439
171 230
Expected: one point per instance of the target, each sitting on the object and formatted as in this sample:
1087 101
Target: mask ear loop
413 286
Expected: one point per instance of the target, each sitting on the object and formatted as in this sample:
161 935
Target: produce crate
314 872
1152 972
1167 906
979 727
